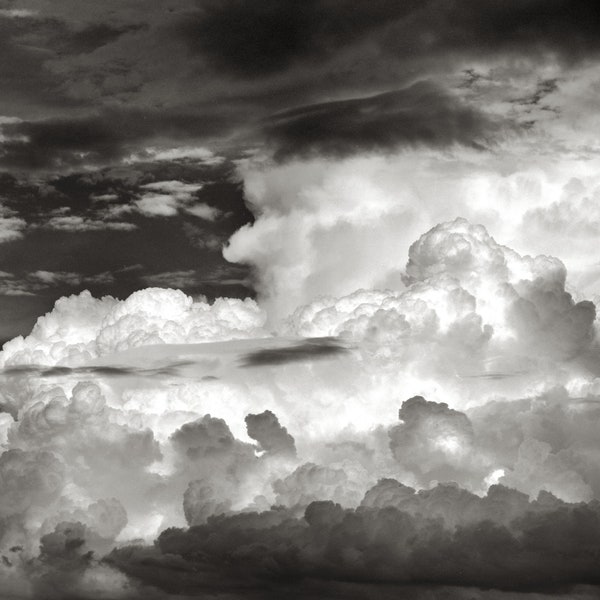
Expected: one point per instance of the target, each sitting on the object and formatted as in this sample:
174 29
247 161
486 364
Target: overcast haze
299 298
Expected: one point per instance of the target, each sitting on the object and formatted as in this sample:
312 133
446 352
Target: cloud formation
310 467
421 114
409 407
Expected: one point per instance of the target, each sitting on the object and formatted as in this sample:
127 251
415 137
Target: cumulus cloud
167 198
400 541
271 436
455 416
81 327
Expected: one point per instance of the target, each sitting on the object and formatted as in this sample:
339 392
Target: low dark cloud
309 349
422 114
561 27
260 39
227 65
250 39
102 138
397 536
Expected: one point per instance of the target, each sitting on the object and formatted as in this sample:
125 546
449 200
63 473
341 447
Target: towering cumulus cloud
160 445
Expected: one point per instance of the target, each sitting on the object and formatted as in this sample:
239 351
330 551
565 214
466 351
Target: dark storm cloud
396 536
237 62
227 65
419 114
260 38
565 27
102 138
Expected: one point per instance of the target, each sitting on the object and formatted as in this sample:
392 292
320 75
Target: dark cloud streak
422 114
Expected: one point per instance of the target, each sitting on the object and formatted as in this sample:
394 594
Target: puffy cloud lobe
468 293
311 482
29 478
432 439
82 327
271 436
200 502
222 462
544 443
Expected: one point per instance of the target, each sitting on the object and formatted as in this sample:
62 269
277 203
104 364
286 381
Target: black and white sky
123 125
298 297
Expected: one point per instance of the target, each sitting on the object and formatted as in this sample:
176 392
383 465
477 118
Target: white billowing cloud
471 308
306 210
167 198
459 377
82 327
332 227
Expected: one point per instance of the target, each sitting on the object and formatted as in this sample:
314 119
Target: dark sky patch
262 38
182 251
103 138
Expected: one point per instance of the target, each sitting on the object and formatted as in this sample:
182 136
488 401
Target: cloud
300 469
75 279
422 114
191 278
392 544
81 327
77 223
305 350
38 281
264 463
271 436
11 228
17 13
167 198
105 137
180 153
259 41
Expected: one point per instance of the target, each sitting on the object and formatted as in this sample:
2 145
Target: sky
299 297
